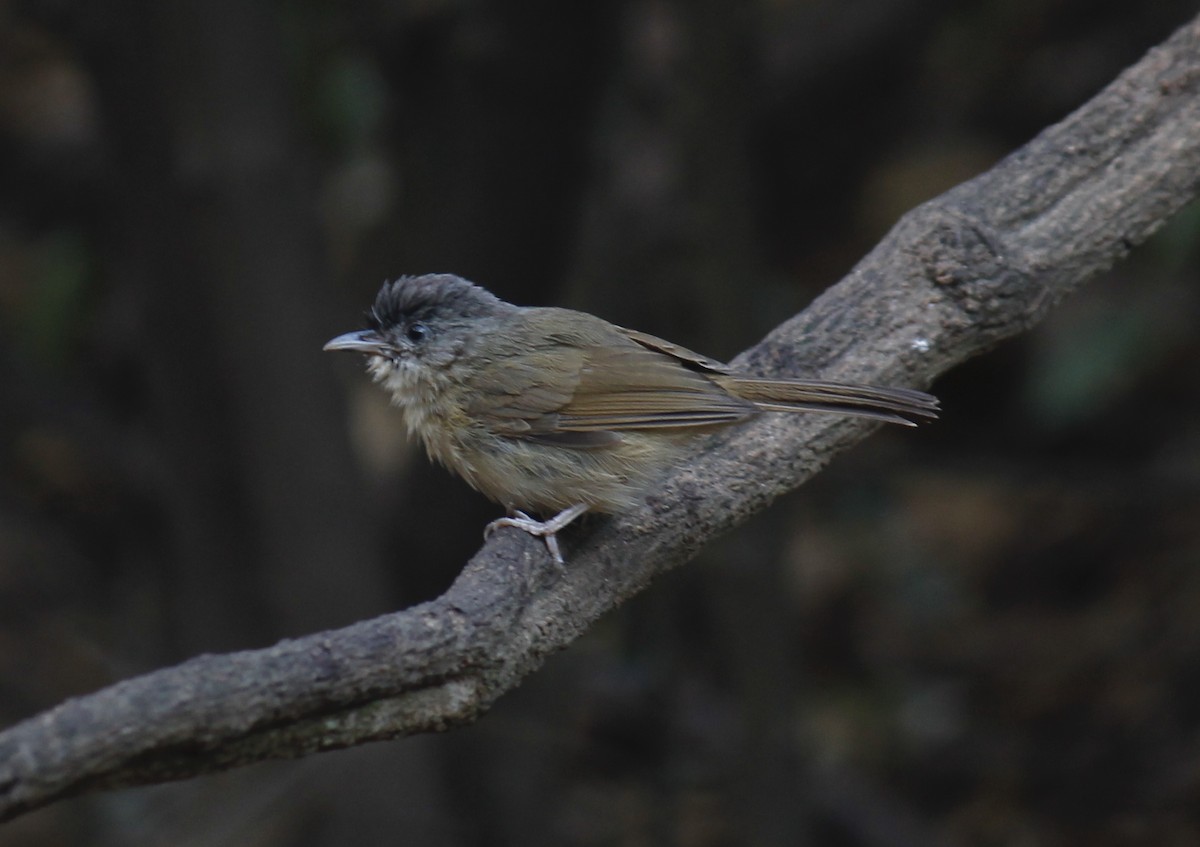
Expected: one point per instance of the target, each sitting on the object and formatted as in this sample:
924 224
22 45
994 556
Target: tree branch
980 263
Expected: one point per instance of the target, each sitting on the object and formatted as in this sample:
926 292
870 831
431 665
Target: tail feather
895 405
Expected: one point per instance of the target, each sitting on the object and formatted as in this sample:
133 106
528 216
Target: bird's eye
417 332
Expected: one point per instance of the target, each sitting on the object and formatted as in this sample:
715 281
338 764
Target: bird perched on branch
554 411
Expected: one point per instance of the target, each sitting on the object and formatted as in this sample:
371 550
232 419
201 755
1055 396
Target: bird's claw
547 529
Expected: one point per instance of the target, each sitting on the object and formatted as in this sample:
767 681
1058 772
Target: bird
558 412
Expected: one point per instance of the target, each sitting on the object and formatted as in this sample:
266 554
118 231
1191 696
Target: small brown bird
551 410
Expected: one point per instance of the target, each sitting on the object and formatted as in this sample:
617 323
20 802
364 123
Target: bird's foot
545 529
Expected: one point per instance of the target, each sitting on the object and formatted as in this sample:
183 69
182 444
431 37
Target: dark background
985 631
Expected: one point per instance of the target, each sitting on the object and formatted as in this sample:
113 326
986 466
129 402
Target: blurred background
985 631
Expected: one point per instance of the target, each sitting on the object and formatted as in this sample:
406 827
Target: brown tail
895 405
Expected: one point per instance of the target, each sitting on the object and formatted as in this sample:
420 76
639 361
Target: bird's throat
426 402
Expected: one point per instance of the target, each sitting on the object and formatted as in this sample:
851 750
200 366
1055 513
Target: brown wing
684 355
894 405
569 372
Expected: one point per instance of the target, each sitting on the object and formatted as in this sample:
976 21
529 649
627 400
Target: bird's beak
363 341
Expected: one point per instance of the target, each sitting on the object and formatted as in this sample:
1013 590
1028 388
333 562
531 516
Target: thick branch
983 262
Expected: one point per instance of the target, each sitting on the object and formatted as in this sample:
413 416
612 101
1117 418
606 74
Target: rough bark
957 275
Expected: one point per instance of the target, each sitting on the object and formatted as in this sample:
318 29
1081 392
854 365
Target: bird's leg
546 529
